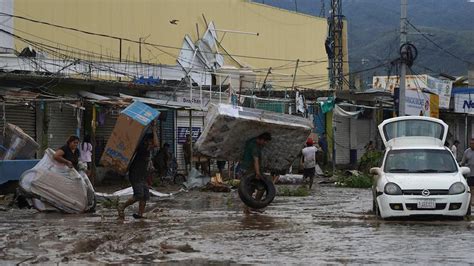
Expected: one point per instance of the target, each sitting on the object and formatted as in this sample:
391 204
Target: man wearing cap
308 160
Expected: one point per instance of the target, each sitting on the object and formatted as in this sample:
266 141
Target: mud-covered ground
333 225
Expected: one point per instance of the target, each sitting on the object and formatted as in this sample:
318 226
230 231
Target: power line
138 42
437 45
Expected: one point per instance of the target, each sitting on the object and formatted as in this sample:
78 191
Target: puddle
332 225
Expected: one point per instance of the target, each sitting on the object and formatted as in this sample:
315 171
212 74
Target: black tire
179 179
248 185
468 213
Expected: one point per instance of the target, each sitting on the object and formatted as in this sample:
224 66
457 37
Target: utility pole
336 75
294 75
336 24
322 12
403 66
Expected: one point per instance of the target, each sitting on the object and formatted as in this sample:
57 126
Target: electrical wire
139 42
437 45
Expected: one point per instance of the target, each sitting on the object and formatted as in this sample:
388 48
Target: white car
419 175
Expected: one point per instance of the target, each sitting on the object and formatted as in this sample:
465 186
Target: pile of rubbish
51 184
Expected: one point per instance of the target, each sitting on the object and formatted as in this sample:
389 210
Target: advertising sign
421 103
442 88
183 131
392 82
464 103
421 82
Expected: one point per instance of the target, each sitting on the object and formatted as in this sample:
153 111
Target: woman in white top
86 151
454 149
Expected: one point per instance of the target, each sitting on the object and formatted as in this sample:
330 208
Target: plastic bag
59 186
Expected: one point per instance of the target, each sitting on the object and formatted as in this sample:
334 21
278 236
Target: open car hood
400 130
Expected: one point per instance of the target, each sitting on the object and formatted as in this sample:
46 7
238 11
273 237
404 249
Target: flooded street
333 225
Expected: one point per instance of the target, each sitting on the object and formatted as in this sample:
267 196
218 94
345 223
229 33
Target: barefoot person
137 175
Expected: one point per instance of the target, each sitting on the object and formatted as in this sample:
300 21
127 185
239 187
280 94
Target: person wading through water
137 175
252 161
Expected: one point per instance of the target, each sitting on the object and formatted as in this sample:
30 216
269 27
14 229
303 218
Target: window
420 161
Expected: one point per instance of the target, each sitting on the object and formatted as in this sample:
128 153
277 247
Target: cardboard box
127 134
227 128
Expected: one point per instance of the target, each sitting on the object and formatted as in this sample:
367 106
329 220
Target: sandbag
58 185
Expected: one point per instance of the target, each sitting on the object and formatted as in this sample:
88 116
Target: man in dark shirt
252 159
137 174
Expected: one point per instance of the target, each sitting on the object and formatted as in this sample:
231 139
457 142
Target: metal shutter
106 119
21 116
62 124
342 140
168 129
361 135
182 125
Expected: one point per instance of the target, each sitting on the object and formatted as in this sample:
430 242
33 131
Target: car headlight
392 189
457 188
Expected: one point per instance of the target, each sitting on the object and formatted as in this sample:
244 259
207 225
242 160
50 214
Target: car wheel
248 187
468 213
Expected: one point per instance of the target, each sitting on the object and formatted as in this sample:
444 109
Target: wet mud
332 225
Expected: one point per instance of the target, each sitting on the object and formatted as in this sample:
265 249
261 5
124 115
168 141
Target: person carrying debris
251 163
308 160
252 159
137 175
69 154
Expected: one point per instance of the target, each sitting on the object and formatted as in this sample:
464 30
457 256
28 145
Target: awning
343 113
165 103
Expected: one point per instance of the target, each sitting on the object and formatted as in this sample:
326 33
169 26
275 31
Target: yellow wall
283 34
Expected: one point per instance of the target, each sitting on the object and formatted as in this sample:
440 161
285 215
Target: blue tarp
13 169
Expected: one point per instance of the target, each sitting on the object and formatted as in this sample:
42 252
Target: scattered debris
290 179
129 192
168 248
354 179
286 191
217 187
196 179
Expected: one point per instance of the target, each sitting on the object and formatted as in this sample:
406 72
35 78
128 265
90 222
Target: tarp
343 113
229 127
58 185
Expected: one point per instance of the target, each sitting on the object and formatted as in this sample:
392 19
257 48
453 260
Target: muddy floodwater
333 225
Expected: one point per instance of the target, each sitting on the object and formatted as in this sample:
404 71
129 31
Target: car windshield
420 161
